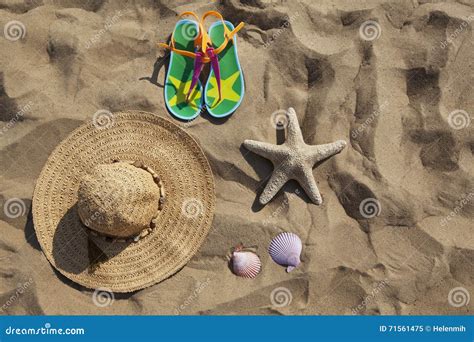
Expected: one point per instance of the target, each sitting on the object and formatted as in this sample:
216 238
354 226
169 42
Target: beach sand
392 78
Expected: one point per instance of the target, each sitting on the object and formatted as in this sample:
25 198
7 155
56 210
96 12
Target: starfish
293 160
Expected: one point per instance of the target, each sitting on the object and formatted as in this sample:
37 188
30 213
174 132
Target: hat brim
181 227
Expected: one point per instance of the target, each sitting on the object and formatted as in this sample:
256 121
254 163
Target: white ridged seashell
285 249
246 264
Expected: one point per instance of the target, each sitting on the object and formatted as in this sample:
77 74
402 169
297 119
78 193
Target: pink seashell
285 249
246 264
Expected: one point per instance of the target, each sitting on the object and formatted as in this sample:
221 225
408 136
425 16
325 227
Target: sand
401 96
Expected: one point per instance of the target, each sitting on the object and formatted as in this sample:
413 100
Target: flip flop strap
198 39
216 68
192 14
228 37
196 72
178 51
228 34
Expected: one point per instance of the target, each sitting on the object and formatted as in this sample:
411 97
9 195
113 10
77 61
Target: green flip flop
180 72
231 76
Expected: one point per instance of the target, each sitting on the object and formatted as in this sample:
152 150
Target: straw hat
125 204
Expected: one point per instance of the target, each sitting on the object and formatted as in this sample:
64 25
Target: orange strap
203 38
228 34
197 40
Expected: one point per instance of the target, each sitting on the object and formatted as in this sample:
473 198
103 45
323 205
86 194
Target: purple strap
215 66
198 66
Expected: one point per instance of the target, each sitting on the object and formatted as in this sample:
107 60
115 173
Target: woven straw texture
118 199
181 226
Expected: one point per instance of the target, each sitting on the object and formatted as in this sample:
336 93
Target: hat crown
118 200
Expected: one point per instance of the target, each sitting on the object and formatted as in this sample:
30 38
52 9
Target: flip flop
180 101
225 86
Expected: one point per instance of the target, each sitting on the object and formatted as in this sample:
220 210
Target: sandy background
403 101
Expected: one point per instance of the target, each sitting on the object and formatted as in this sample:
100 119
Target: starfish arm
272 152
306 179
276 182
294 135
321 152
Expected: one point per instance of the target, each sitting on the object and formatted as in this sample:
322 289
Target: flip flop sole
232 80
180 73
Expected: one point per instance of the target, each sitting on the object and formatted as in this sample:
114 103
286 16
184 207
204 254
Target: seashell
246 264
285 249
